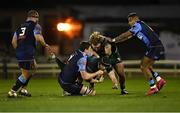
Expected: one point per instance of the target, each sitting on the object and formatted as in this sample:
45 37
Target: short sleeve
135 28
82 64
15 35
37 30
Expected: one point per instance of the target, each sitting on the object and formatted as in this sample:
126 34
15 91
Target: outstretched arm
41 40
107 38
39 37
123 37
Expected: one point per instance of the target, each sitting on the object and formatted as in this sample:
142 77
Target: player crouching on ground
93 65
76 68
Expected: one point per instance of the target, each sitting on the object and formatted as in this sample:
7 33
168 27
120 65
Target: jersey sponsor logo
140 36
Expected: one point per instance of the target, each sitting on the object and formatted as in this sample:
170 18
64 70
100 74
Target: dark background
108 17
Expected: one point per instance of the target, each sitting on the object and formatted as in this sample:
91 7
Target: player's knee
120 68
120 65
143 68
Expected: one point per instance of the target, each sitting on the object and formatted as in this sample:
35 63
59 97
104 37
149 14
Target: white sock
153 86
158 78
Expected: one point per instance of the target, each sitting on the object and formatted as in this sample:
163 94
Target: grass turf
46 96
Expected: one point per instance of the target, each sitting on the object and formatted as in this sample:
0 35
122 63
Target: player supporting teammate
24 42
155 49
99 44
75 69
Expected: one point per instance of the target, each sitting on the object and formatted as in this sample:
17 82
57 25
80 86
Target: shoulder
82 61
38 26
136 27
137 24
83 58
37 29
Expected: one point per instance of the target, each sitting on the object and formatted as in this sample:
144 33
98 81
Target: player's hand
52 56
95 54
100 72
48 48
113 40
107 38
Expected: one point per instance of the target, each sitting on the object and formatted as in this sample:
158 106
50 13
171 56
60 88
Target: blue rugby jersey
26 42
76 63
146 34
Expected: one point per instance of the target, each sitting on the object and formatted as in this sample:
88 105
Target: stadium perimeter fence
11 70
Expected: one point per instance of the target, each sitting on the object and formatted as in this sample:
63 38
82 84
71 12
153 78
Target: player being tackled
109 55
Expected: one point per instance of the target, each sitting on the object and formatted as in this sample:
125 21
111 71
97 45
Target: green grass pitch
46 96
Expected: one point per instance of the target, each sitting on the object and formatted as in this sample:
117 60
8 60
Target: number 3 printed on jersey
23 29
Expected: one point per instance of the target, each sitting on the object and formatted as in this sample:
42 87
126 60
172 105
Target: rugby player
75 69
111 61
155 50
24 43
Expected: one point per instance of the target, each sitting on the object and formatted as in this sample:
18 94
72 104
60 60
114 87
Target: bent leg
146 63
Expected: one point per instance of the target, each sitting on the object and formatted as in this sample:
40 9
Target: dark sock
154 74
19 82
122 82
